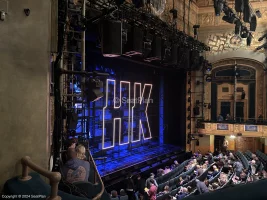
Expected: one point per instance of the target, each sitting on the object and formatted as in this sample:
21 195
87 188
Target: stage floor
121 157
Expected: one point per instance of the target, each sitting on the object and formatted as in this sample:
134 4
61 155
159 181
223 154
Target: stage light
208 78
249 39
238 27
104 113
141 130
209 67
129 110
262 37
94 92
262 46
134 104
258 13
218 6
147 102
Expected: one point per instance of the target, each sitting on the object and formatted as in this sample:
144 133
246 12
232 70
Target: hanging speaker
247 14
239 5
253 23
111 38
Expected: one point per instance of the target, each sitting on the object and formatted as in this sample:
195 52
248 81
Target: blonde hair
80 151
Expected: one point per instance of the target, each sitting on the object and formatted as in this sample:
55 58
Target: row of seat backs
191 183
262 156
243 159
175 172
172 182
215 178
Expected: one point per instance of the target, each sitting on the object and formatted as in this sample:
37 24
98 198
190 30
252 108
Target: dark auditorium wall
24 89
175 108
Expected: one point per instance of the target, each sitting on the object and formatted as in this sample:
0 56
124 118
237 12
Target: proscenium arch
258 66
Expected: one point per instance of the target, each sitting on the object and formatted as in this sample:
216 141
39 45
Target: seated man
76 168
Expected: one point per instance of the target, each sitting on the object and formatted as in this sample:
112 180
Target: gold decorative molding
233 129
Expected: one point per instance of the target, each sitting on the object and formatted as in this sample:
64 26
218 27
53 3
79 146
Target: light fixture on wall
208 78
232 136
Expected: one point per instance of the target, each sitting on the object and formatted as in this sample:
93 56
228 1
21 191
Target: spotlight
249 39
245 32
238 27
218 6
262 46
208 78
209 67
94 92
229 19
262 37
258 13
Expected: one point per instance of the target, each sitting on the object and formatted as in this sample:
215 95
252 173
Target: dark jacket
140 185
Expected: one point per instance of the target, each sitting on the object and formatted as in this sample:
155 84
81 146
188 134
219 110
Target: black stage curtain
175 108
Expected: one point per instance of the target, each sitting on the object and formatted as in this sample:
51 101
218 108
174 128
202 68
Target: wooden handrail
98 196
54 177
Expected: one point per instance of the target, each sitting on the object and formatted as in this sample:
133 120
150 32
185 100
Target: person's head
181 179
114 193
189 189
166 188
122 192
138 177
80 151
176 162
152 175
253 162
214 167
184 190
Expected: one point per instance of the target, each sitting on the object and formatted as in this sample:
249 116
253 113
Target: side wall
24 91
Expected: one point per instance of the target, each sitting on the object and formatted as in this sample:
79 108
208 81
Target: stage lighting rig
93 89
249 39
238 26
262 46
262 37
218 6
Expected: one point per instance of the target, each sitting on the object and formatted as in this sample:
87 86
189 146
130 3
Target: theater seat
34 186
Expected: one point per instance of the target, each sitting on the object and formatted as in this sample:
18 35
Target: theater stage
123 157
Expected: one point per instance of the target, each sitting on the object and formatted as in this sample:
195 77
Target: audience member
201 187
130 188
123 195
152 177
152 191
114 195
140 185
76 168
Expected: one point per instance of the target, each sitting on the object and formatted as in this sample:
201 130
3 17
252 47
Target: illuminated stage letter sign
136 119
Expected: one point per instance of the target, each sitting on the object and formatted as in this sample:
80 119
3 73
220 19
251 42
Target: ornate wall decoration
158 6
228 41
